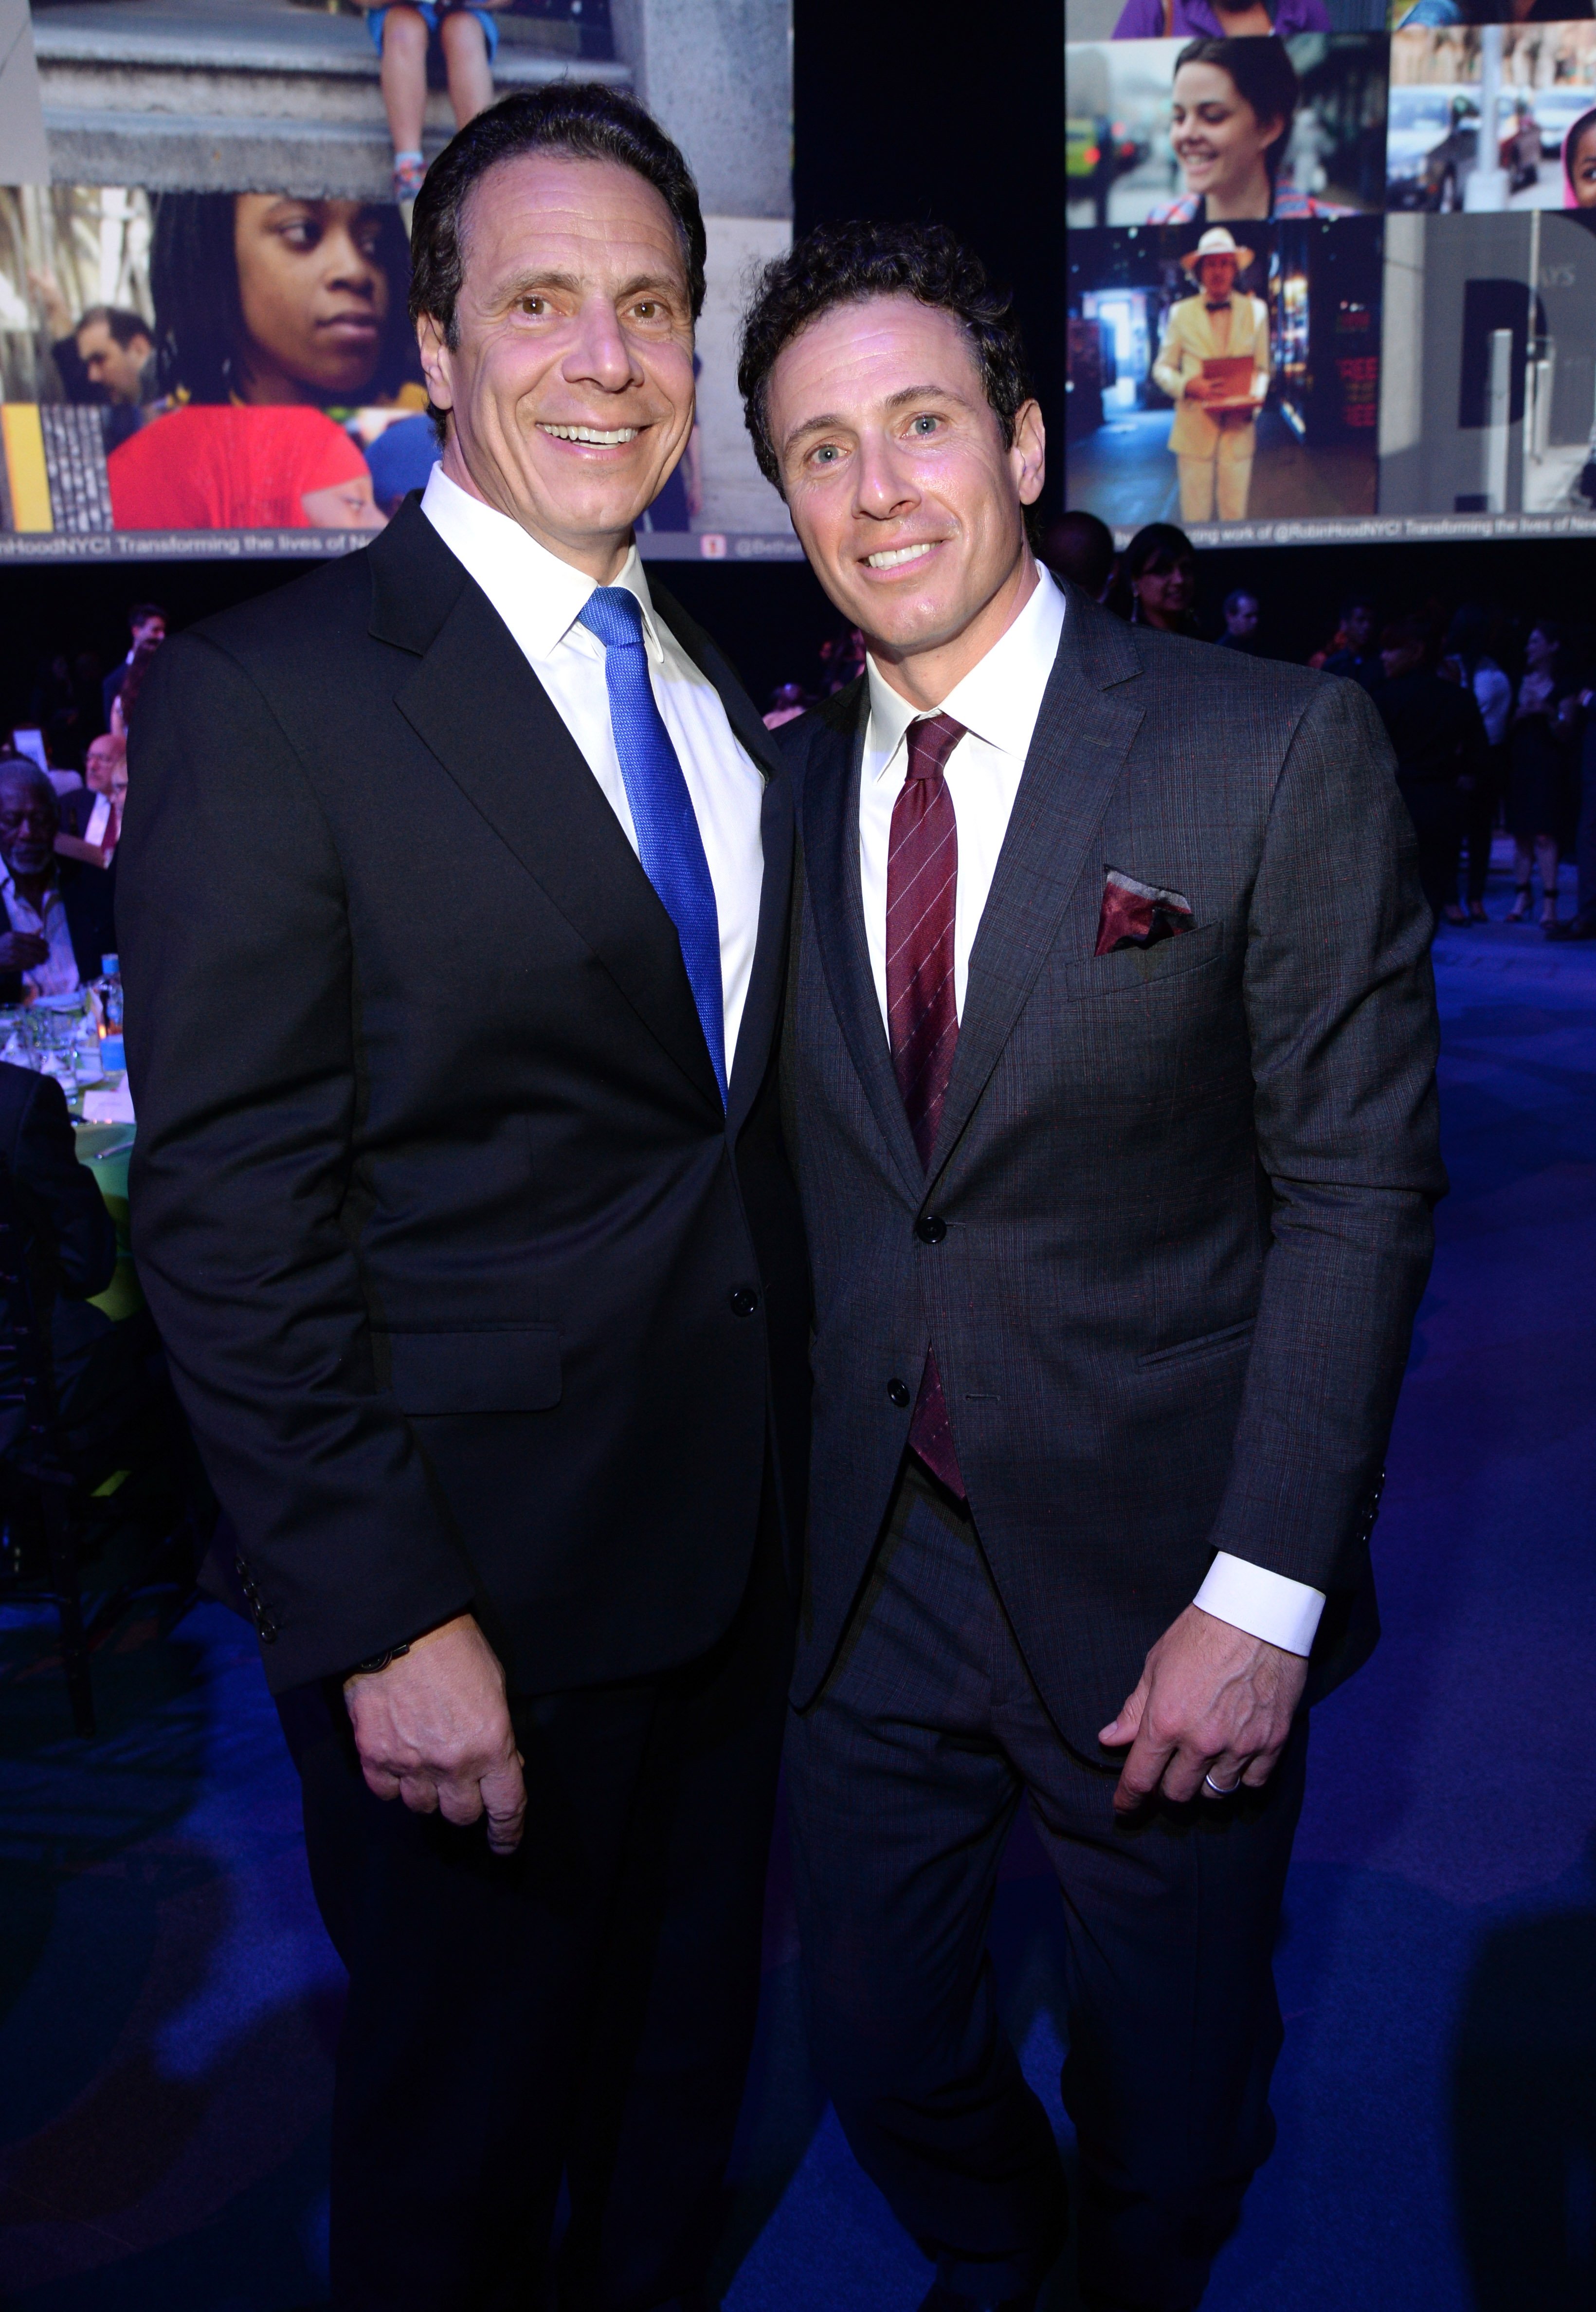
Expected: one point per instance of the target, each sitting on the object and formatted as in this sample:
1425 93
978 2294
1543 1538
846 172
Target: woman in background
1232 105
1156 582
1544 729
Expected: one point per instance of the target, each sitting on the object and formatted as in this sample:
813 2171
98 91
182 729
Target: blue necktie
669 841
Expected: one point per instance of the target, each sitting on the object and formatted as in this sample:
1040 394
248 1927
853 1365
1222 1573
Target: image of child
404 31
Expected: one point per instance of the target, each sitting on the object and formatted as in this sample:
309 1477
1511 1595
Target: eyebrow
905 393
573 283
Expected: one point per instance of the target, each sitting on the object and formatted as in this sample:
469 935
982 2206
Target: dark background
899 111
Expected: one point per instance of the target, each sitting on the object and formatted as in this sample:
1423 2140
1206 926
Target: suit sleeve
241 1006
78 1230
1341 1011
1169 364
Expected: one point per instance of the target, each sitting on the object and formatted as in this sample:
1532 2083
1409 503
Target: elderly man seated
92 816
59 918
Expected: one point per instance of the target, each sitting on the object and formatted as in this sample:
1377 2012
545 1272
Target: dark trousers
1584 841
904 1778
1433 805
584 2008
1479 806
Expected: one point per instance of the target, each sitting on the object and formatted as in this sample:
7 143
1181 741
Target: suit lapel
830 818
476 703
1077 755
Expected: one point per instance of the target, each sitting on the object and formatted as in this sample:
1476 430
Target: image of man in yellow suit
1213 445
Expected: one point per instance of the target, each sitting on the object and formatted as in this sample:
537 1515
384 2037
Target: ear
1027 458
434 361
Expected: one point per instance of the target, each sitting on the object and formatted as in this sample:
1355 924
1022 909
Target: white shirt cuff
1267 1605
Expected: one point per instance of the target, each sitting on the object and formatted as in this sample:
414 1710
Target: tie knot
615 616
931 740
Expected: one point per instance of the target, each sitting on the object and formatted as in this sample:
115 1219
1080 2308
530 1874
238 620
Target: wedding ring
1222 1791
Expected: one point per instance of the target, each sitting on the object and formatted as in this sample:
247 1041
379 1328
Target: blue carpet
169 2002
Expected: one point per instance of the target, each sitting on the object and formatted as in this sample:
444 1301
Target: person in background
1213 436
146 623
1080 548
1541 741
1579 164
91 819
107 357
71 1242
133 682
464 35
1355 651
1581 924
788 702
58 912
1155 583
1240 623
401 459
205 469
1232 106
1165 20
1439 741
841 661
1468 659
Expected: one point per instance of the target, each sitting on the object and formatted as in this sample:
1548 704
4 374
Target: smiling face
1218 277
1582 167
907 501
570 389
313 295
1165 588
1220 143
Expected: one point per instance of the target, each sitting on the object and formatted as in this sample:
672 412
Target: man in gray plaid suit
1108 1073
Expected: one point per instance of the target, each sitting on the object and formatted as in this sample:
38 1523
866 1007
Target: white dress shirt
538 597
59 975
998 702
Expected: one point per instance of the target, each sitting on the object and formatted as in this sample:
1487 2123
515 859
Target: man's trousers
583 2008
904 1778
1217 489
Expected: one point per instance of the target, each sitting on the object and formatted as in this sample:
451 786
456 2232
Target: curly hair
579 120
200 335
843 264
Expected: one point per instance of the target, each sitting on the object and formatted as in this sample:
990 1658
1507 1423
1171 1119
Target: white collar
1001 698
539 596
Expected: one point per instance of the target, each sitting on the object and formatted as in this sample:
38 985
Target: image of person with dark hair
1231 107
1153 20
1214 364
106 357
463 35
269 312
1579 164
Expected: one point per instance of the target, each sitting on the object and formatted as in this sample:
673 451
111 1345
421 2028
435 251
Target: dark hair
1080 547
123 325
581 120
1158 547
1265 78
1232 602
139 614
133 681
843 265
1413 632
199 314
1552 628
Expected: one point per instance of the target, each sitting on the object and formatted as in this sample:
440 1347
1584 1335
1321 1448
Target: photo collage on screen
205 339
1308 295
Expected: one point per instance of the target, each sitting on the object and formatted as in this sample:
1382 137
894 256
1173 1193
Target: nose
884 488
348 266
600 355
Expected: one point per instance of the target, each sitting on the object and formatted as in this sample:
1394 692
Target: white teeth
591 433
891 560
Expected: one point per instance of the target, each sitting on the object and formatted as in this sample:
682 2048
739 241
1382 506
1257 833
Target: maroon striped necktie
922 881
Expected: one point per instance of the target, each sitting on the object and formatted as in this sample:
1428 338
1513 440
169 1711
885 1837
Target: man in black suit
58 912
1109 1067
455 891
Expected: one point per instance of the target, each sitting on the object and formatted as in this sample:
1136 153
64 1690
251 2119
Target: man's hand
1211 1701
21 950
433 1729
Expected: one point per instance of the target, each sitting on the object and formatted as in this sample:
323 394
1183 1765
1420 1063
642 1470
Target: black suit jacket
70 1237
474 1293
1187 1189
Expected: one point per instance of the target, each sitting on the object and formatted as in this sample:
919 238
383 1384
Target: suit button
744 1300
930 1227
898 1392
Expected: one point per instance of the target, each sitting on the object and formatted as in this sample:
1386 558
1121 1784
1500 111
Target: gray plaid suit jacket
1187 1189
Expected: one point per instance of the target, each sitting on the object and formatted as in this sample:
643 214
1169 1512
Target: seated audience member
58 915
1232 106
1240 623
107 1370
1184 19
1155 583
91 819
146 625
1439 739
1080 548
279 467
1354 653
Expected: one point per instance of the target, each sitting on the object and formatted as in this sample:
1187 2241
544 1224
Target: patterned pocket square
1138 914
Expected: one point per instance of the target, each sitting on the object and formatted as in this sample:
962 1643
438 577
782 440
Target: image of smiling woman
261 297
1232 105
1579 164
